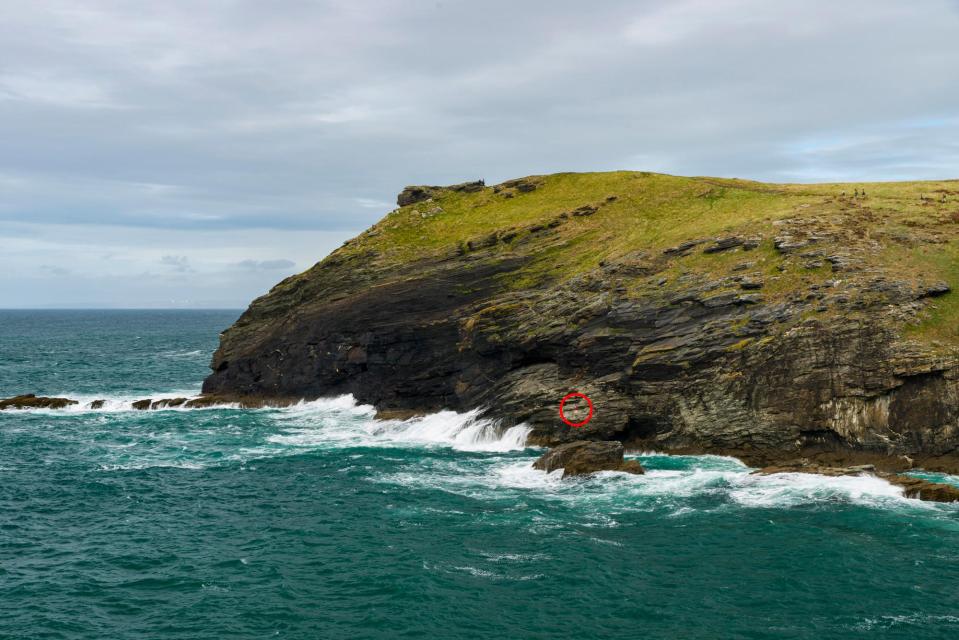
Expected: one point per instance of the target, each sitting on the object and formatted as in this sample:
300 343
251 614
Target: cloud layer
215 147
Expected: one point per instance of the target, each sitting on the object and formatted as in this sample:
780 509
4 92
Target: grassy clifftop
907 231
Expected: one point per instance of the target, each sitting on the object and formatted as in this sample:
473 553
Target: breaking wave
340 421
494 461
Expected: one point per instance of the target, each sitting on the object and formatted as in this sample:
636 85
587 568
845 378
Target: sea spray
320 423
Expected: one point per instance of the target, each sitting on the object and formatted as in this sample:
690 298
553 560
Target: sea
319 521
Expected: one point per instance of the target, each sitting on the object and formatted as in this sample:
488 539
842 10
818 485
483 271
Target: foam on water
724 482
671 482
340 421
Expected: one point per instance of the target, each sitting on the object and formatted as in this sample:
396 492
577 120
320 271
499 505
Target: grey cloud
266 265
54 270
311 116
180 264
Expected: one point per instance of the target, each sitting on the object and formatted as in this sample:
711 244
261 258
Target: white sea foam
493 575
504 472
788 489
340 421
182 354
725 481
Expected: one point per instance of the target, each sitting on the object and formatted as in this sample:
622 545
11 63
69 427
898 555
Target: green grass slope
908 231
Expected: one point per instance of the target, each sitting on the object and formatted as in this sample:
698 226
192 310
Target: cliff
699 314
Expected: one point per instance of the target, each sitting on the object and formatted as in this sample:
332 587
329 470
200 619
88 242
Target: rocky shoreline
577 458
767 322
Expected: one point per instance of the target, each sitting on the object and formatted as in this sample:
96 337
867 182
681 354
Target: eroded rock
585 457
31 401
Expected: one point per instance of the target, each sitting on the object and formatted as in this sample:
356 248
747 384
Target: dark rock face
31 401
363 349
581 458
142 405
694 371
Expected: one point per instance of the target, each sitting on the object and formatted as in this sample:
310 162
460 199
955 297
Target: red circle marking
562 402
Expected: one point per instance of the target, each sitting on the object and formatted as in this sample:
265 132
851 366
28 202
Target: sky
194 153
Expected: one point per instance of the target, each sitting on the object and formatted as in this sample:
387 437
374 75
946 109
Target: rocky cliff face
768 321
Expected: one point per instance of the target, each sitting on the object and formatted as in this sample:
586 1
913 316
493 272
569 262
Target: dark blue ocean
317 521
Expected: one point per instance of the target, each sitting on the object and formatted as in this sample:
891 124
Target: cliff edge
699 314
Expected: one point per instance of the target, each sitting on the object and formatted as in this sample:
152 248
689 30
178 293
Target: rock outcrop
31 401
413 194
700 315
925 490
585 457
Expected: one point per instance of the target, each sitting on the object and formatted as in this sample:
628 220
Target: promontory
769 321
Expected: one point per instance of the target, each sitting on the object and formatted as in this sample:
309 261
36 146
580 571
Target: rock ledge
585 457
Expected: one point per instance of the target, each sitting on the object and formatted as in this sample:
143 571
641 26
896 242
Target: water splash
340 421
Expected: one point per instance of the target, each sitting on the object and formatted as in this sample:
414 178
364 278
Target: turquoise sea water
318 522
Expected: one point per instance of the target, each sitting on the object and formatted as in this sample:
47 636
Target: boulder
584 457
142 405
31 401
97 404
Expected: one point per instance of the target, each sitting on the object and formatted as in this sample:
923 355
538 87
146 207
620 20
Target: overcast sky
191 154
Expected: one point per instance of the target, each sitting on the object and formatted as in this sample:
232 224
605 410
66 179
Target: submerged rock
31 401
584 457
